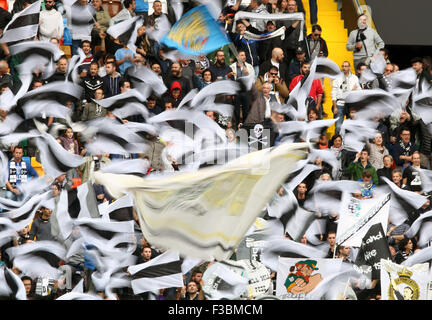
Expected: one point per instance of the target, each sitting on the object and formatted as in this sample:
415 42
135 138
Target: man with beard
219 69
50 22
316 91
92 81
176 77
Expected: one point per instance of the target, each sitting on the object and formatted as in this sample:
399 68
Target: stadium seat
37 166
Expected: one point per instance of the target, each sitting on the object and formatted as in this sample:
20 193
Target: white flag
298 277
404 283
358 216
206 213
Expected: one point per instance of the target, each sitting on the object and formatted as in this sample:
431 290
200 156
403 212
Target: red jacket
316 88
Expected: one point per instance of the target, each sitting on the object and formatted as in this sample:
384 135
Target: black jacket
323 47
91 84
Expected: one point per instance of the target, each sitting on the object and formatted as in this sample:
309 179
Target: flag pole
235 52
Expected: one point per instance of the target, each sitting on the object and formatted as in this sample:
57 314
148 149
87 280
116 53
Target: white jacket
343 85
249 68
51 25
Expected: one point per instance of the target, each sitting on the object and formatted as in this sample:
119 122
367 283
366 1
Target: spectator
411 175
257 7
317 45
250 47
260 105
84 67
206 79
342 157
102 22
404 149
363 41
20 171
91 82
84 9
366 185
93 110
124 58
50 22
276 60
356 168
377 151
191 291
108 58
41 226
386 170
292 43
364 83
343 252
405 250
219 69
176 79
154 19
424 78
112 80
153 106
397 179
127 12
5 76
61 71
294 68
29 287
316 92
342 86
279 92
331 239
69 142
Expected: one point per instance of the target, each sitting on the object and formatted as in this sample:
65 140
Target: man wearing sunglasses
317 45
50 22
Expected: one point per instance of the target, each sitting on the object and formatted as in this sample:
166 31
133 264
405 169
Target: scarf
265 36
270 16
337 151
405 149
68 144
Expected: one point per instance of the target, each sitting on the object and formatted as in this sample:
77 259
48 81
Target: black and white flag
126 31
24 24
11 286
164 271
119 210
38 259
374 247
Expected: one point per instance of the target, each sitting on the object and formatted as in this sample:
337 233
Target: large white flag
358 216
206 213
298 277
400 282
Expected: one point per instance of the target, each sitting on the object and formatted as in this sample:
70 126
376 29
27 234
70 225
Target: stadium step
336 36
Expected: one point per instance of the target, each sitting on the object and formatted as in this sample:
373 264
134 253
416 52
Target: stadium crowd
401 146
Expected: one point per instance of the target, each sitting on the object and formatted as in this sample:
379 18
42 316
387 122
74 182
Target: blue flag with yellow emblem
196 33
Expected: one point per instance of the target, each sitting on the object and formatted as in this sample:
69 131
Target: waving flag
297 278
192 212
196 33
404 283
24 24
